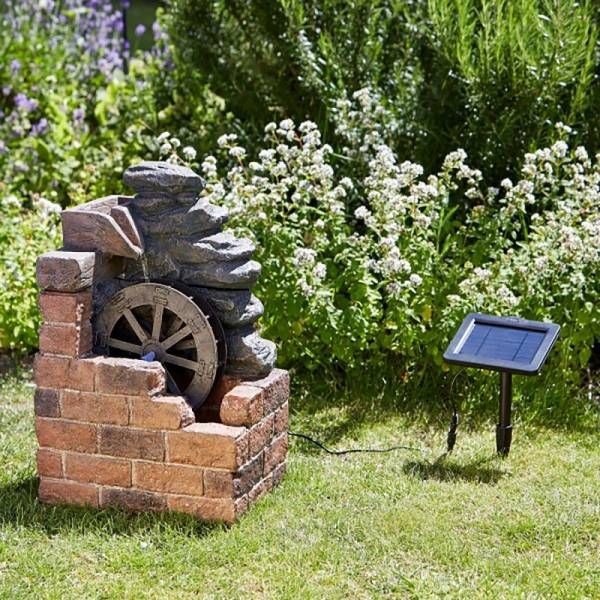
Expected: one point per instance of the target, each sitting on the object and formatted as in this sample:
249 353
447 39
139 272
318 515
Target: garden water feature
201 429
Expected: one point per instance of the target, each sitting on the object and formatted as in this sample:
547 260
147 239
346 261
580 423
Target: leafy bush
387 284
485 75
24 235
71 120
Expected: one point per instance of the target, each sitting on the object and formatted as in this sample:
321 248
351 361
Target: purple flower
6 90
79 115
3 147
15 66
40 127
140 30
22 102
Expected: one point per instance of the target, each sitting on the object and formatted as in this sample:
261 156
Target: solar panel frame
536 357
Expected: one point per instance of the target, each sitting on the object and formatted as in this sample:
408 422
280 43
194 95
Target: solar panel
502 343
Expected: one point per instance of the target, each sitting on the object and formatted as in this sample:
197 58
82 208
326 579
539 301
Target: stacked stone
184 242
109 436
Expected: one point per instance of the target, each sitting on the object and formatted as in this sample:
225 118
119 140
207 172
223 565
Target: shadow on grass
335 407
444 470
20 507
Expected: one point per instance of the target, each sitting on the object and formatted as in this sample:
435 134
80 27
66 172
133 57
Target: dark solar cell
502 343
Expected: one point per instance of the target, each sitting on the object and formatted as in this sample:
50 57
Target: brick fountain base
110 436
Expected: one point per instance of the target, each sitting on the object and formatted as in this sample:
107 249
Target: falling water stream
144 263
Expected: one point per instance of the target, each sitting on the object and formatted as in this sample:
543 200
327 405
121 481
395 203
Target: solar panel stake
506 344
504 426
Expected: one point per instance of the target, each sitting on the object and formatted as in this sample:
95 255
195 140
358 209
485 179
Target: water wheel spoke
176 337
137 328
157 321
174 326
181 362
185 345
171 384
126 346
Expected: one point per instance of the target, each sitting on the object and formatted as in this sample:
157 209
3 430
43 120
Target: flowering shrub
71 120
380 269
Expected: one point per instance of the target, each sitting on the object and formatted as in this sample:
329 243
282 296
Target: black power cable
450 439
353 450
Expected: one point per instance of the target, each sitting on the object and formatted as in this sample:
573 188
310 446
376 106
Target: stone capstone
152 176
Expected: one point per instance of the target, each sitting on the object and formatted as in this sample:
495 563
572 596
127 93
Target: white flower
165 148
560 149
270 127
320 271
286 124
506 183
189 153
415 279
362 212
237 152
165 135
175 142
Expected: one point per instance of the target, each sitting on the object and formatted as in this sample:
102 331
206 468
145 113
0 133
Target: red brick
131 443
278 473
66 340
65 271
163 412
243 405
276 388
50 371
282 418
60 491
46 402
261 488
218 484
49 463
96 408
61 307
176 479
241 505
130 377
248 476
276 453
133 500
261 435
207 509
222 386
82 373
208 445
65 435
97 469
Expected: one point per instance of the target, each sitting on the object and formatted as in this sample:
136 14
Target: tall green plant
491 76
505 71
296 58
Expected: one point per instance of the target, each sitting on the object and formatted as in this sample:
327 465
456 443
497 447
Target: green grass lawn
398 525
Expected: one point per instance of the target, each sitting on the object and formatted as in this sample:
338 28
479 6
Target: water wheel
159 322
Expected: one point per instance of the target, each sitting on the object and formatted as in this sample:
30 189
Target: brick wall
109 434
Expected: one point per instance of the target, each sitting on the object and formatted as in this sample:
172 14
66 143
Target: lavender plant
71 120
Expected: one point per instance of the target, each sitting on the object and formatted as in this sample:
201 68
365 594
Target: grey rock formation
248 353
234 308
183 242
152 177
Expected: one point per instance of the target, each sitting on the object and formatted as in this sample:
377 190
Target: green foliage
506 70
71 121
380 290
485 75
24 235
